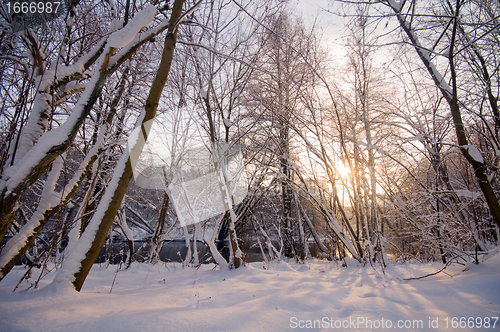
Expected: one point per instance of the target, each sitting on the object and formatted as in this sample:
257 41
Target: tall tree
85 252
453 48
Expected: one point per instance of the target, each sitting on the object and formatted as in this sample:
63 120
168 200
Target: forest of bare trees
388 154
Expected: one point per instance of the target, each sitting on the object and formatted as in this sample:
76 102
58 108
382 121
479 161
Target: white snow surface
258 297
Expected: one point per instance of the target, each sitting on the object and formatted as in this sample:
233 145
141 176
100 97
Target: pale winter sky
330 24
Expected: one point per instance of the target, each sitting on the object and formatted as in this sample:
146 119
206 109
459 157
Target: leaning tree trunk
18 178
86 251
470 153
235 253
51 201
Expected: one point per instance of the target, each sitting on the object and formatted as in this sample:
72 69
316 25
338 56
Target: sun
342 171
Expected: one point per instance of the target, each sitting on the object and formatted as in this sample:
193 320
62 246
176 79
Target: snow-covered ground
277 297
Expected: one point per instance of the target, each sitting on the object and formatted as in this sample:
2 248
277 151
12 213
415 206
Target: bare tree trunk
187 240
156 241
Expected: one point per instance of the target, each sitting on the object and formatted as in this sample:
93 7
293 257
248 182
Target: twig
115 277
431 274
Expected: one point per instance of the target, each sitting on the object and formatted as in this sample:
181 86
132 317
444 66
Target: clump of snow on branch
126 35
474 153
396 4
203 93
467 193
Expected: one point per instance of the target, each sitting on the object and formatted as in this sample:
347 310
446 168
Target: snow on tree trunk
187 239
36 161
470 153
235 253
331 219
50 203
17 178
221 261
196 260
83 255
